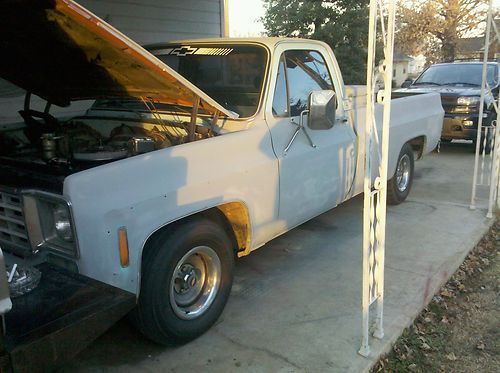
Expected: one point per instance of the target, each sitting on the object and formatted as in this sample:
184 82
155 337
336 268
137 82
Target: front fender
146 192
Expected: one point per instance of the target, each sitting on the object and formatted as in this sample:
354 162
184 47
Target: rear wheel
187 274
398 187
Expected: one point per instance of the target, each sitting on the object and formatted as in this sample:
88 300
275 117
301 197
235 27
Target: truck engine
44 150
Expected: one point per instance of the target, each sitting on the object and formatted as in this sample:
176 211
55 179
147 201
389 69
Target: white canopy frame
375 193
486 168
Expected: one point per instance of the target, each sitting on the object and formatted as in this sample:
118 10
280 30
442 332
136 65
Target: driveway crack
405 271
268 352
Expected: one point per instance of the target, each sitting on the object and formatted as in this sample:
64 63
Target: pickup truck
459 84
194 153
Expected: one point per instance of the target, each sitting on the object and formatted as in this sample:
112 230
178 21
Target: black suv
459 84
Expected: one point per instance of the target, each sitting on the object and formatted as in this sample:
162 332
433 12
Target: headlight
468 100
49 222
62 223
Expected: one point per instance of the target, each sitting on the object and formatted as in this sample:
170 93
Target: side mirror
322 106
406 83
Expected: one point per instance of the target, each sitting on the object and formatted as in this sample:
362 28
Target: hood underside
61 52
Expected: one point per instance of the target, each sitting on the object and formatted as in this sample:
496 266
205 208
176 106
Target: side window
306 71
280 100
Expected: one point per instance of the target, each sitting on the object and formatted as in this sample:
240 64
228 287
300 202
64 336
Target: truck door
316 174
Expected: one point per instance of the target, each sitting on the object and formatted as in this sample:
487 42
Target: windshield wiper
432 83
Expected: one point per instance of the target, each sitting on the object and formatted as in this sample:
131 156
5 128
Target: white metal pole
381 207
481 105
374 214
495 167
494 171
365 297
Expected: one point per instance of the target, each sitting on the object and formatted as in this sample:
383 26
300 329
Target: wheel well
418 144
232 216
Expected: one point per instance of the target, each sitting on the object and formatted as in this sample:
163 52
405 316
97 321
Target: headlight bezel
39 208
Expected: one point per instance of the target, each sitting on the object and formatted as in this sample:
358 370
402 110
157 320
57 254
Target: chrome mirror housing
322 106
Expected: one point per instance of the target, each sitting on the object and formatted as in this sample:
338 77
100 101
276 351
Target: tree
343 24
433 27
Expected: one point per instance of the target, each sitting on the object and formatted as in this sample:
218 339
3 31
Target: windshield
456 74
231 74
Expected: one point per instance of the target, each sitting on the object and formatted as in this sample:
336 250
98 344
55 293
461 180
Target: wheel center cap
189 280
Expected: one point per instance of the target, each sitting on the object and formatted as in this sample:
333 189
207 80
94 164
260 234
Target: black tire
157 313
395 193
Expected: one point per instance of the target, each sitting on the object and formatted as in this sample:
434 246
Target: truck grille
13 234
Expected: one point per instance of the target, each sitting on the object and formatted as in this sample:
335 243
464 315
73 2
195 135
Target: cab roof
270 42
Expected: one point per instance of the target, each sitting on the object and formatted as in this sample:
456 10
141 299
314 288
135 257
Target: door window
306 72
280 101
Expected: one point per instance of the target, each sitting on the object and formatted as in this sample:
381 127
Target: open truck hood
62 52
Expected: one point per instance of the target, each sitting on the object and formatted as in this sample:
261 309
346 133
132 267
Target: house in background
416 65
473 48
400 68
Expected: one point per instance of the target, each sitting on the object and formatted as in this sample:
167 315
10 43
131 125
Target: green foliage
343 24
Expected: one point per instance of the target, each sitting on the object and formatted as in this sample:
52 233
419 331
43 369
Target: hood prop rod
27 101
194 115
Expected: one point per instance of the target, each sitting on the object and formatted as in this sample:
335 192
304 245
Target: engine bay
88 141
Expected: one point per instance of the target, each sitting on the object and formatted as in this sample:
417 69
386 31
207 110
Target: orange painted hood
61 52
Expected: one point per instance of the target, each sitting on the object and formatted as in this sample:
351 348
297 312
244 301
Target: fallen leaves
425 346
446 293
451 356
430 344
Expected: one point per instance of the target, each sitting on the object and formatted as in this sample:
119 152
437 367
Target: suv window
457 74
305 71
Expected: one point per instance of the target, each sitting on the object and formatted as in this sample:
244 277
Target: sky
243 18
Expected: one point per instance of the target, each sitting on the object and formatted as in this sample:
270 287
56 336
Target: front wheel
398 187
187 274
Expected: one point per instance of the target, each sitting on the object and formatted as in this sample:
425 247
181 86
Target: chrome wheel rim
195 282
403 173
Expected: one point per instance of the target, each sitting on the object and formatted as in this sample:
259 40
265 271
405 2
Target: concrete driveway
296 302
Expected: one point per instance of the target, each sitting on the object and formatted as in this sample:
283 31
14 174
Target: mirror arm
292 139
301 126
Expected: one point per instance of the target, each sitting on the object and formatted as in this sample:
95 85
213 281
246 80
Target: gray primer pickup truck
193 154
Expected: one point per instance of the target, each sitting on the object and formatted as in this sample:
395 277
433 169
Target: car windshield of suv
457 74
231 74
